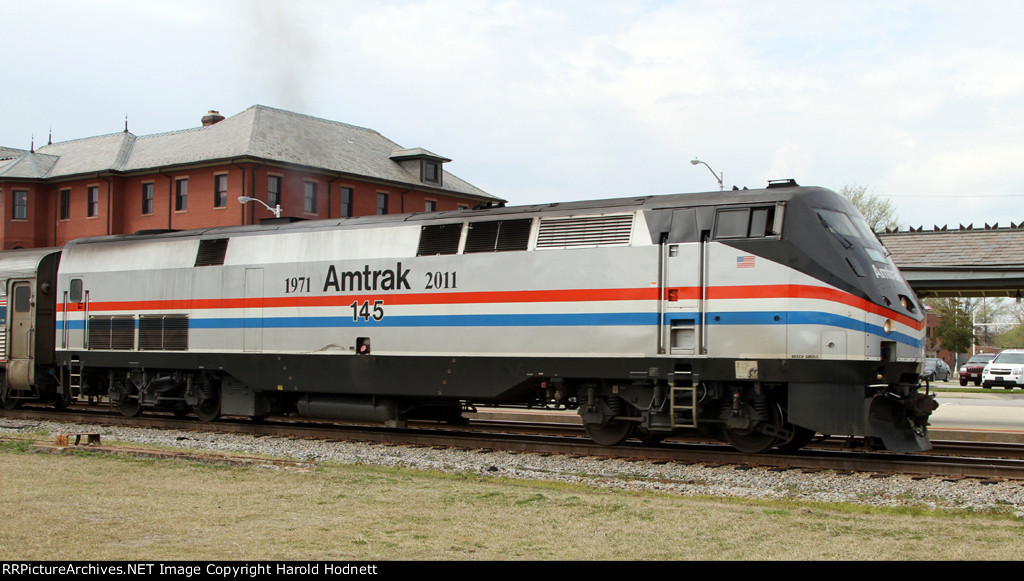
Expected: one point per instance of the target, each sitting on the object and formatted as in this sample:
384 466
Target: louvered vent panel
499 236
107 332
585 231
122 333
514 235
151 332
176 332
482 236
439 239
163 332
99 333
211 252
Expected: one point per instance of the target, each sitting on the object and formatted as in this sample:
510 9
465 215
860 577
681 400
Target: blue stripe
756 318
809 318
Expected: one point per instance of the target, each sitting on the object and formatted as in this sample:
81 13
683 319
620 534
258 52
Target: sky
921 102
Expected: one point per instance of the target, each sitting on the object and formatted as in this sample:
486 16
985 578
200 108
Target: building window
93 208
431 206
310 197
346 202
273 190
431 172
65 204
181 195
382 203
20 205
220 191
147 198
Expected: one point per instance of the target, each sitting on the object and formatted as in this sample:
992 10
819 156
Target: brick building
122 183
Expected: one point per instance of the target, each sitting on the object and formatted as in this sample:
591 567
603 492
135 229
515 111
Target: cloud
540 101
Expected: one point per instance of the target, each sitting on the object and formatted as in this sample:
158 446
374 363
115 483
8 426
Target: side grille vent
585 231
498 236
110 332
211 252
439 239
163 332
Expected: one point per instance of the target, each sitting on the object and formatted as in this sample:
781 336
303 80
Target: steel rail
843 461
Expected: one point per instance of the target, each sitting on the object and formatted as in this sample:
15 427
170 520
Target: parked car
935 370
1006 370
971 371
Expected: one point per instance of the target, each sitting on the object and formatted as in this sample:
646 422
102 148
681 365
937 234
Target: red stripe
538 296
781 291
799 291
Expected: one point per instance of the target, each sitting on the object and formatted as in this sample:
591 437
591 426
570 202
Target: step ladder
683 400
75 376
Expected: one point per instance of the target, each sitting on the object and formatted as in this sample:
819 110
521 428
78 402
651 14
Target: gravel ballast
673 478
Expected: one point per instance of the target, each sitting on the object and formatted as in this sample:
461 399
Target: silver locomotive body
760 316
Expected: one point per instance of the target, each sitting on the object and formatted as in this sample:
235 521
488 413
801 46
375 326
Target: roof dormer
419 161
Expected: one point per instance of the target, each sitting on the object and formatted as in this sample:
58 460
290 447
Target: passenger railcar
761 316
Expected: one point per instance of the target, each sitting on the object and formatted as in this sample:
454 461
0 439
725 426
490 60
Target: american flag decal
744 262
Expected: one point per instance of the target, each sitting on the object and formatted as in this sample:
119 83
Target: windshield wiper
842 239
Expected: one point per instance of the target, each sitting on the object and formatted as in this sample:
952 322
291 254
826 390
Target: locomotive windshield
850 231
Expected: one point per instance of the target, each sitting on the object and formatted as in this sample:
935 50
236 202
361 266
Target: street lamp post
276 209
719 177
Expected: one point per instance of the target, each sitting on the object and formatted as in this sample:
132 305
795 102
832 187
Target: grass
93 506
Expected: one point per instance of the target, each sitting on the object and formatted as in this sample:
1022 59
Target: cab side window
757 222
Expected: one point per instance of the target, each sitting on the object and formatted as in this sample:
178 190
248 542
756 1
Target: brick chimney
212 117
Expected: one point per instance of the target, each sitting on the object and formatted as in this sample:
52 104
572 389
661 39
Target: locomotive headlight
887 326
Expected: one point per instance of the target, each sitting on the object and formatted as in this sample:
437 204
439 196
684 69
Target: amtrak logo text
366 279
886 273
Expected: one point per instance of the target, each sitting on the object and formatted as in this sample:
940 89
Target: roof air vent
790 183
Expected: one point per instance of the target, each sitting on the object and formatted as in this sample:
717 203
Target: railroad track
951 460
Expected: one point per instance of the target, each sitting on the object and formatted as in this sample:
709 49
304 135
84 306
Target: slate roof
259 132
7 153
956 248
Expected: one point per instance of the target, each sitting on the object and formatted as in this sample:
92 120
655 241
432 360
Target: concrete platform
985 416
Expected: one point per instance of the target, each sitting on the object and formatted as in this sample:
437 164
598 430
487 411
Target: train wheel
801 437
6 401
205 398
130 407
207 410
60 402
753 440
610 433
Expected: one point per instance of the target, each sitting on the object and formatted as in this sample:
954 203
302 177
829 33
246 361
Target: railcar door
681 290
20 333
746 307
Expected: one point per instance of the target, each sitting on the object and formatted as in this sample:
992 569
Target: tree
1014 337
878 211
955 331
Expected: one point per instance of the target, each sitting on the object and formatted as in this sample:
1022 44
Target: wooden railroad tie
65 439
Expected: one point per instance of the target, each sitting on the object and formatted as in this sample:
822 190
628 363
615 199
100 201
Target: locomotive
761 317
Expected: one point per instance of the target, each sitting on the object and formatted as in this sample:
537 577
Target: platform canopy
966 262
